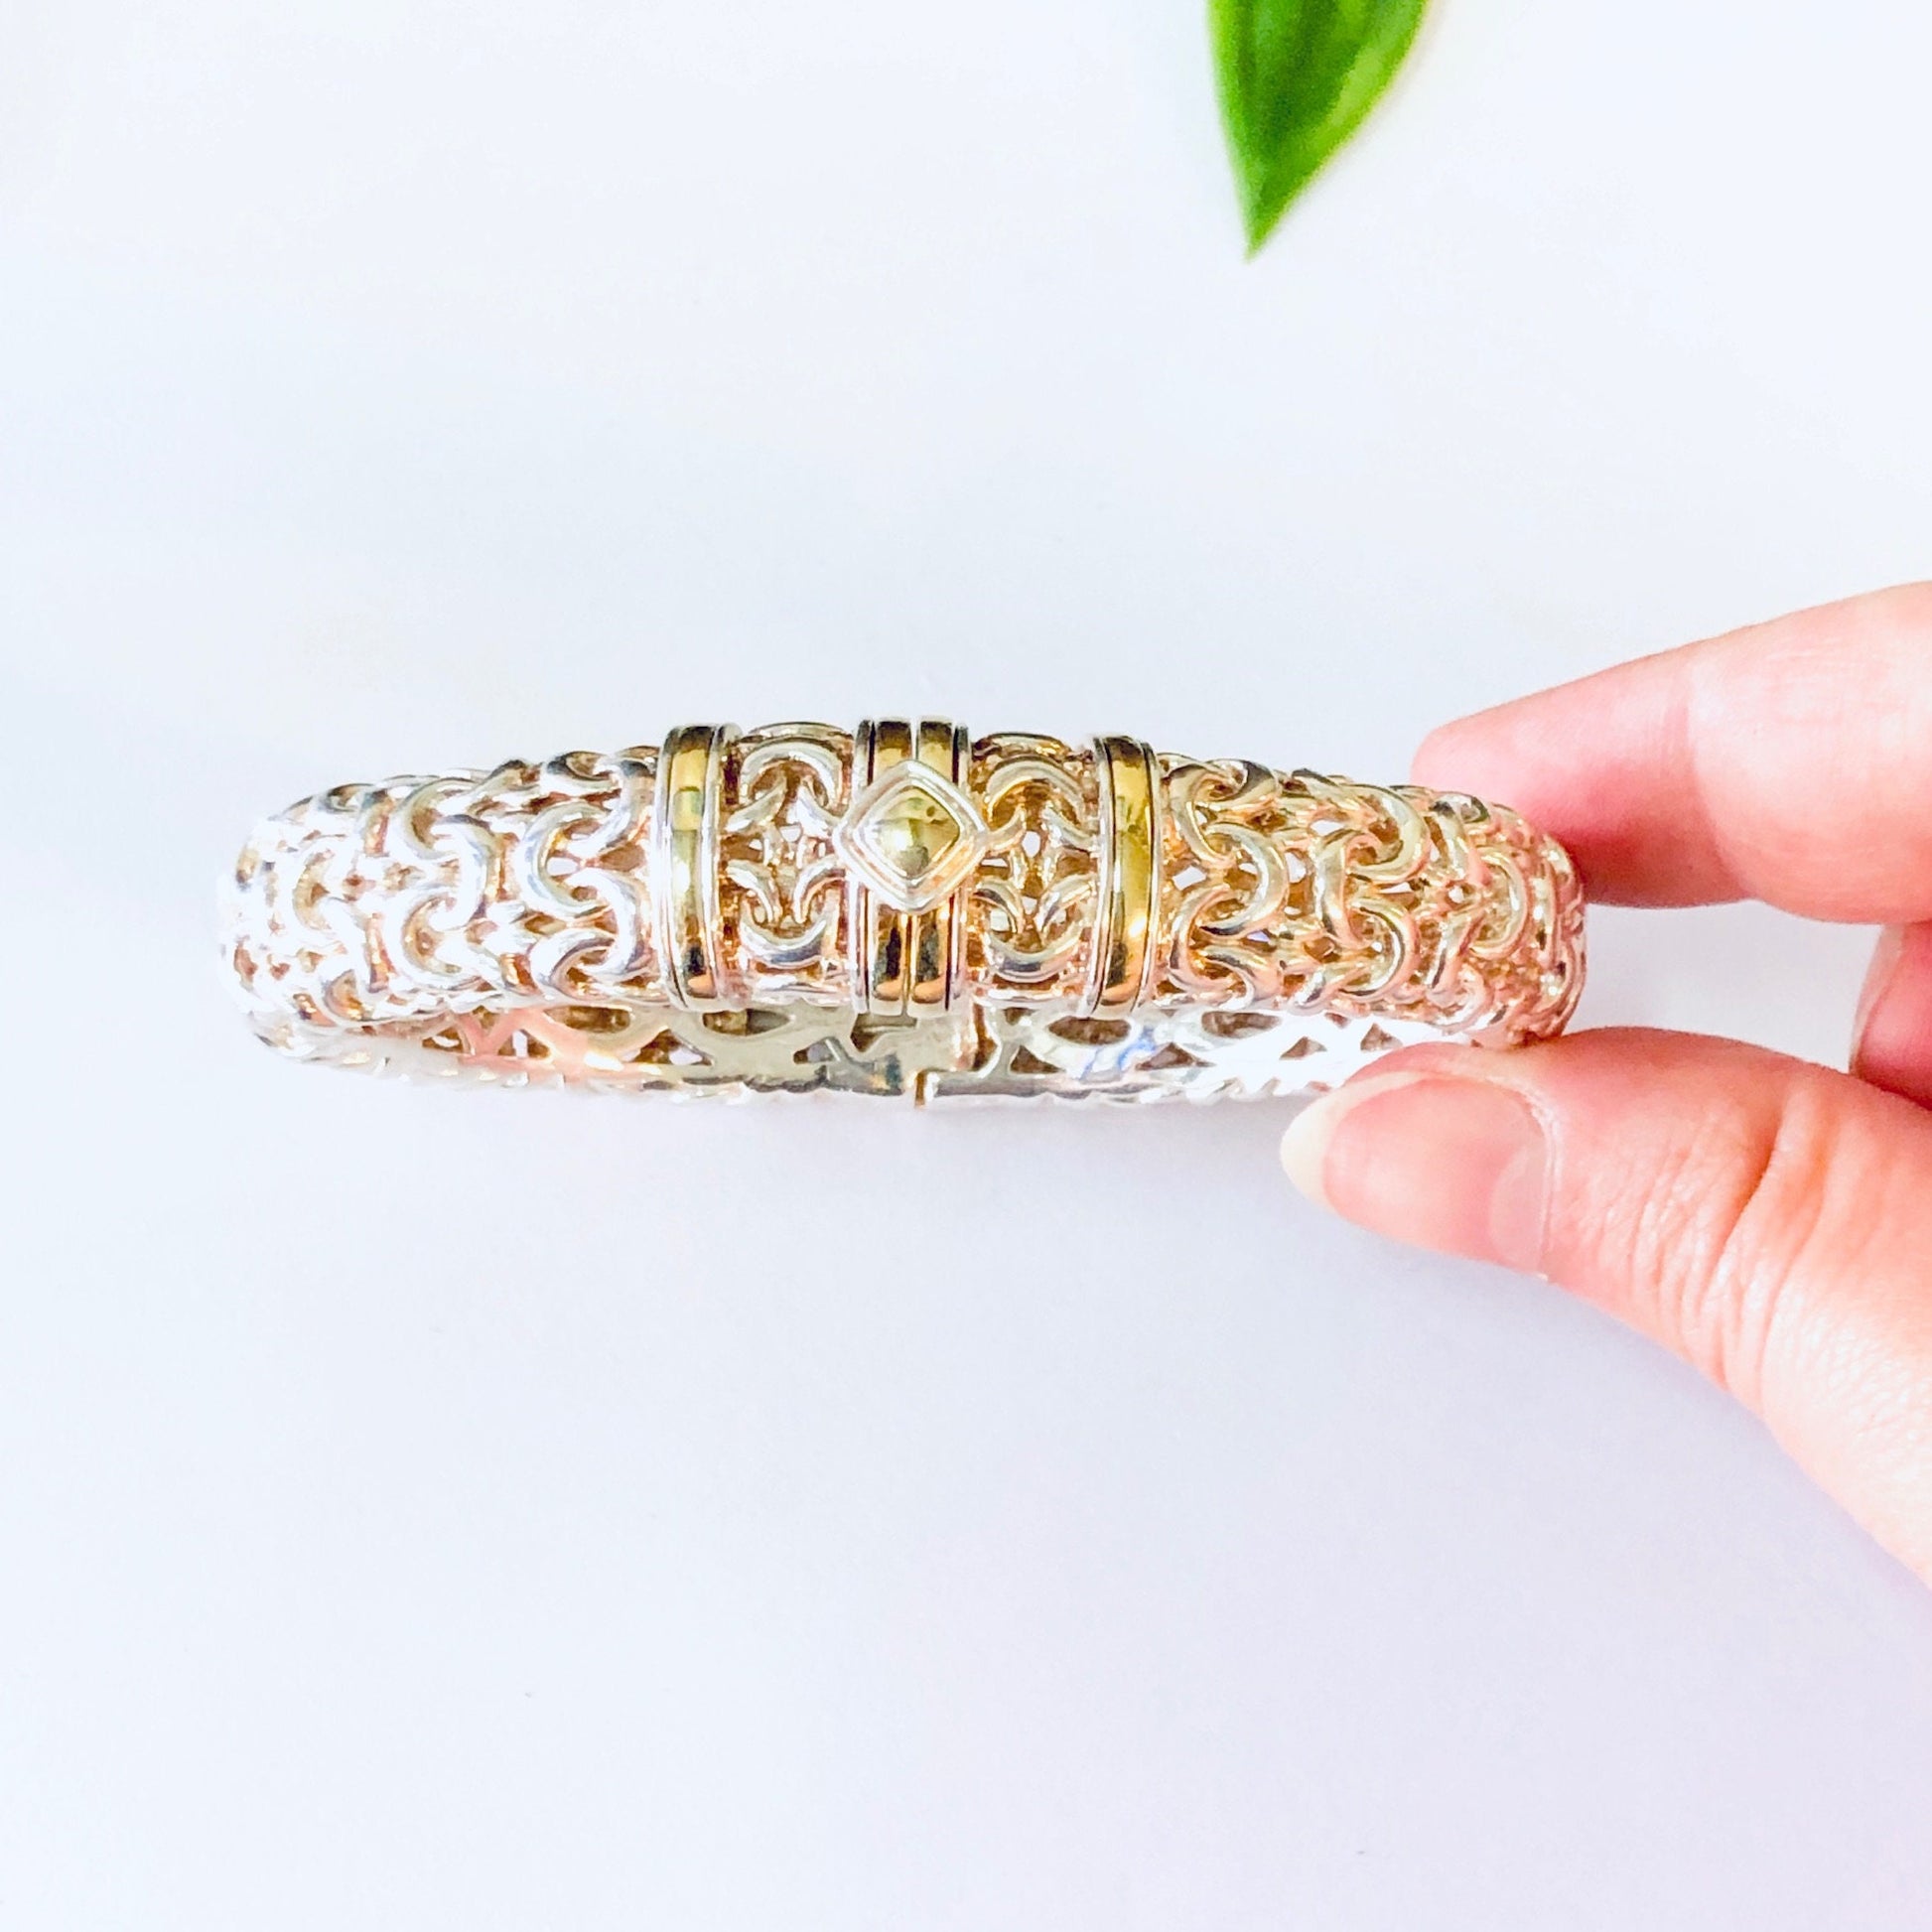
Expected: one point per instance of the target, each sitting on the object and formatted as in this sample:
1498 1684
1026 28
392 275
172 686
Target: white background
422 1509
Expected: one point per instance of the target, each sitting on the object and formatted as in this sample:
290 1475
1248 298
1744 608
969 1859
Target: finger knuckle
1735 1222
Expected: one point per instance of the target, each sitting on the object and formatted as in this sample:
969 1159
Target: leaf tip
1262 211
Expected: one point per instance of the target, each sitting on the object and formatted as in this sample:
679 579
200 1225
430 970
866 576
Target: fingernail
1456 1161
1886 957
1891 1038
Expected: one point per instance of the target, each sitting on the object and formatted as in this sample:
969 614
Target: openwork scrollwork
1033 894
791 783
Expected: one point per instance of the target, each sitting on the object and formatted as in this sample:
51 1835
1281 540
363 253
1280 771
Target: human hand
1769 1220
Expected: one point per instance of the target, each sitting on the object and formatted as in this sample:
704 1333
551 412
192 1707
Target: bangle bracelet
900 910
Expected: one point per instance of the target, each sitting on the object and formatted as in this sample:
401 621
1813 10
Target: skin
1769 1220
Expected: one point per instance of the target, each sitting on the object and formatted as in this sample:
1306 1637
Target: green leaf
1296 78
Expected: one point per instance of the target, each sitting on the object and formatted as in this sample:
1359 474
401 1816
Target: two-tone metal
898 909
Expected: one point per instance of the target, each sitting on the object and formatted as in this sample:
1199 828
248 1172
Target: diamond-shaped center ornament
912 836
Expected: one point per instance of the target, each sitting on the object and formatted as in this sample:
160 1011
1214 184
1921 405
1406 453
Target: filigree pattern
1032 898
1323 894
378 906
505 922
783 900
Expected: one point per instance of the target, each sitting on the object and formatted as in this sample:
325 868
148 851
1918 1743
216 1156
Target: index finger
1790 762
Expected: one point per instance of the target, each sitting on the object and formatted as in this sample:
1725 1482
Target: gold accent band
935 935
877 931
1130 874
684 872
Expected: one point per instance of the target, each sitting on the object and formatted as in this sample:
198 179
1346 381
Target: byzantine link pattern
900 910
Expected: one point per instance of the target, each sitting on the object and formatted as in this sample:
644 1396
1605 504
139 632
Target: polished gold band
1128 889
684 868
